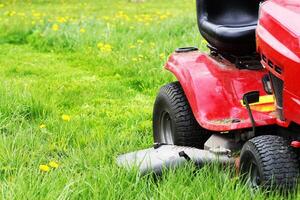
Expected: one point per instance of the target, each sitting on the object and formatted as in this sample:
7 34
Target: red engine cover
215 89
278 40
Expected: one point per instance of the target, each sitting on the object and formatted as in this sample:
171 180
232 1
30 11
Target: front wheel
269 162
173 119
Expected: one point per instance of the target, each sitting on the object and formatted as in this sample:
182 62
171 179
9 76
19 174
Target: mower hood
278 42
280 18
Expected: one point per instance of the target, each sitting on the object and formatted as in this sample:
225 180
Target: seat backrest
229 12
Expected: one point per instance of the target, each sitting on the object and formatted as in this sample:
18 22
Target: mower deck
215 88
162 157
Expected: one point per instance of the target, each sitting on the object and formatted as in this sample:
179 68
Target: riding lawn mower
239 104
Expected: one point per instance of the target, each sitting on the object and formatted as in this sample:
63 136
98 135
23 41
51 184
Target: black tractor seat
229 25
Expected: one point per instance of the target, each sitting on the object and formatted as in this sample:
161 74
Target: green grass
108 95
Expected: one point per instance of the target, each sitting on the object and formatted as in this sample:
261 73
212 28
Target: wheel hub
254 176
166 128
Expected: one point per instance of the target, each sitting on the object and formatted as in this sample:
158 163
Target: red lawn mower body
215 88
278 42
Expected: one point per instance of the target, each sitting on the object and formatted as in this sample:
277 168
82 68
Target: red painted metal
215 88
295 144
278 38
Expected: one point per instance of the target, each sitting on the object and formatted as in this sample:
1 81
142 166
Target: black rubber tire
185 129
277 163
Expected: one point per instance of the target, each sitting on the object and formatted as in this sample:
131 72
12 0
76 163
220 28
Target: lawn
78 82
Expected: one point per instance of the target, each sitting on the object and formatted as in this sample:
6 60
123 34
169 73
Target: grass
100 63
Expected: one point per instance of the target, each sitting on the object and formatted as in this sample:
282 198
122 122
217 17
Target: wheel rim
166 128
254 176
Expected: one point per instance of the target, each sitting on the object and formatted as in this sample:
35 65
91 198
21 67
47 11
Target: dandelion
132 46
61 19
100 45
162 17
105 48
12 13
152 44
140 57
162 56
168 13
122 15
140 41
134 59
53 164
44 168
82 30
66 118
36 14
55 27
106 18
42 126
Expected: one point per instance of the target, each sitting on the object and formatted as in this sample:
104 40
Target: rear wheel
173 119
269 162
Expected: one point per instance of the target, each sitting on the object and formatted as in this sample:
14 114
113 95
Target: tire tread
188 131
279 162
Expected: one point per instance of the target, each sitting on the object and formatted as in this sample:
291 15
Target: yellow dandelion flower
152 44
162 56
82 30
132 46
106 18
55 27
104 48
100 45
12 13
53 164
36 14
108 47
42 126
162 17
140 41
61 19
66 118
44 168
